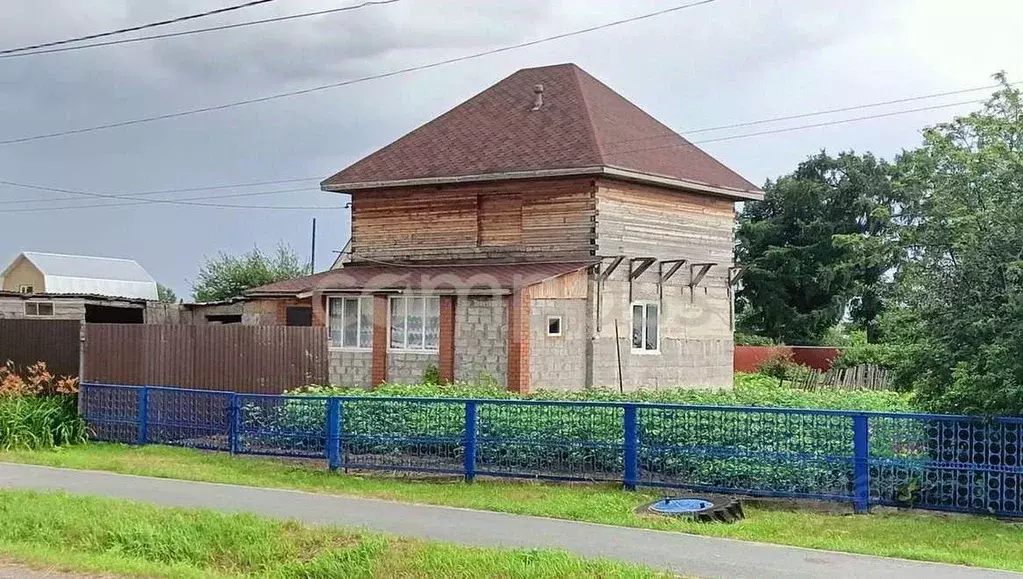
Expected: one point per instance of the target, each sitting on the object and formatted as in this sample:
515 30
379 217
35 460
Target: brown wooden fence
56 342
252 359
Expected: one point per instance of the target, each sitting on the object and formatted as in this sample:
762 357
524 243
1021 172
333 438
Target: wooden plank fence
250 359
56 342
862 377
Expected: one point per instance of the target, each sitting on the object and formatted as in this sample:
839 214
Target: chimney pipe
538 91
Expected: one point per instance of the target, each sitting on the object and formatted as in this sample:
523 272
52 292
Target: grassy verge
128 538
977 541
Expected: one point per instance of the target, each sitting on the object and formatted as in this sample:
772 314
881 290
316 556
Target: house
544 233
93 289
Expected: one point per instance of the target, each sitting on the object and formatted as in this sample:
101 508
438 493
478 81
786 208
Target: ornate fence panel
939 462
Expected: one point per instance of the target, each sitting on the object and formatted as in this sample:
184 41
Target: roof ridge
592 129
27 253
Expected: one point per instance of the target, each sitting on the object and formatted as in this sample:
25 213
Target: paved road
686 554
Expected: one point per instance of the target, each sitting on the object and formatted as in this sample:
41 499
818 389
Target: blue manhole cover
680 506
713 508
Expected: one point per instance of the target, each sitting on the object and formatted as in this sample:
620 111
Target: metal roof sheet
82 274
477 278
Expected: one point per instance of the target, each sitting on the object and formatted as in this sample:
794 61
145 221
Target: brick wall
558 362
481 339
518 343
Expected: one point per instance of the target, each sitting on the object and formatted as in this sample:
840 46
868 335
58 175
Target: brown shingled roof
582 125
479 278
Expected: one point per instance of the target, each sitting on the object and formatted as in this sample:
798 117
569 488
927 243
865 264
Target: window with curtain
415 323
350 322
646 327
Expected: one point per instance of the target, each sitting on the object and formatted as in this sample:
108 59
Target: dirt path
11 570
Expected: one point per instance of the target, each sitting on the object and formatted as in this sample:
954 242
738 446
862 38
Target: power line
136 201
138 27
803 127
180 190
340 84
814 114
200 30
141 200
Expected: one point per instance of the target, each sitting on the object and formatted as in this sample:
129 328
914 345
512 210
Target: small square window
553 325
27 289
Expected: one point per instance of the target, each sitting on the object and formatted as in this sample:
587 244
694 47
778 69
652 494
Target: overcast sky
725 62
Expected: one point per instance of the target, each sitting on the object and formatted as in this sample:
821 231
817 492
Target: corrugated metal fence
56 342
251 359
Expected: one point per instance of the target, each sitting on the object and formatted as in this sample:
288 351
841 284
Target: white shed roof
81 274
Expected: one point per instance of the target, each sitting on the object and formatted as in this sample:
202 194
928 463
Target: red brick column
446 346
518 343
319 309
381 315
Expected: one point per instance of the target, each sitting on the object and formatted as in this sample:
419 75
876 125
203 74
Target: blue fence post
142 419
233 415
470 441
631 447
334 433
861 463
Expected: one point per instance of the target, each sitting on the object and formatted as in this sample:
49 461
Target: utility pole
312 256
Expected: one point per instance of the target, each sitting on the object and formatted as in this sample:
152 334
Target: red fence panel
749 358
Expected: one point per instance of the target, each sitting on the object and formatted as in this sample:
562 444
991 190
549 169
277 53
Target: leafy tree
819 246
226 276
165 294
960 316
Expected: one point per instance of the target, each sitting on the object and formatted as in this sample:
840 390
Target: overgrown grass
977 541
28 422
105 535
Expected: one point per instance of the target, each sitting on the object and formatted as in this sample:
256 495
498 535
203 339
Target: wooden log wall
641 221
525 220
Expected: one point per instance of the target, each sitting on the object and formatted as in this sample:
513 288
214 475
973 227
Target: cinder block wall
481 339
696 338
351 368
409 367
558 362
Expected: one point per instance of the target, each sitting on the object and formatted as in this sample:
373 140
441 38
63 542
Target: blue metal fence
955 463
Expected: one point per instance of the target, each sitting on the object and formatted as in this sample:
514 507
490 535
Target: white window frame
561 328
364 302
26 289
37 314
632 323
405 347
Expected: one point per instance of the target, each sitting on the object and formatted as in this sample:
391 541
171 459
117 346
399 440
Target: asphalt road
686 554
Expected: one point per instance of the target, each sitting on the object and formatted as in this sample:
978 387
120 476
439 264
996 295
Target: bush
742 339
37 409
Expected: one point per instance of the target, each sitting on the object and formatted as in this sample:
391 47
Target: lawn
977 541
128 538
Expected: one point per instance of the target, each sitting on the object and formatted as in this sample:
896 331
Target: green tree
165 294
819 246
960 316
226 276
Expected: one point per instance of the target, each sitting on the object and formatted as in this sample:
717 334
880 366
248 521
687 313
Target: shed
56 274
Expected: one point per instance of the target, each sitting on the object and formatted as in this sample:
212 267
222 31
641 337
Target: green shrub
742 339
431 375
39 422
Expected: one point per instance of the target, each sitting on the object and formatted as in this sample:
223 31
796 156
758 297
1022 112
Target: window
415 323
351 324
38 309
646 321
27 289
553 325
